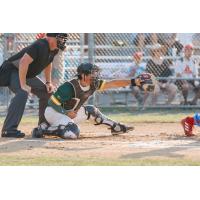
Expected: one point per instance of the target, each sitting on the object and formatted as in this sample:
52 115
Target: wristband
133 82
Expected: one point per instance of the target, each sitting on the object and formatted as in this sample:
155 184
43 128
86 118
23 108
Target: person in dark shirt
159 67
19 74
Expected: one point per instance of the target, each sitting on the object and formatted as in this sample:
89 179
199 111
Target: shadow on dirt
171 152
13 145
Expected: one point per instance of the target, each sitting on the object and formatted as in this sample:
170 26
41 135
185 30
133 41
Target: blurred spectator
185 38
10 42
160 67
196 43
143 39
166 38
136 69
178 46
186 68
172 46
138 66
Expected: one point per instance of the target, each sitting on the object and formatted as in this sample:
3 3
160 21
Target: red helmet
188 46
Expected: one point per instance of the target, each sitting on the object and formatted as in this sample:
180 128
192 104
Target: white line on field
136 144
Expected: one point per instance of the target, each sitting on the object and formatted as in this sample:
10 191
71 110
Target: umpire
19 74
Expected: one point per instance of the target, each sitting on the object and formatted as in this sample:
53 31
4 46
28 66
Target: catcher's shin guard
99 118
69 131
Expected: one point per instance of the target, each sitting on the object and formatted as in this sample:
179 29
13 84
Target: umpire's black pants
9 77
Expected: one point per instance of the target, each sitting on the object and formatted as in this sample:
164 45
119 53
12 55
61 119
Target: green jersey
71 96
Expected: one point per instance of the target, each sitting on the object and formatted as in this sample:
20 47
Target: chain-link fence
169 56
123 55
6 46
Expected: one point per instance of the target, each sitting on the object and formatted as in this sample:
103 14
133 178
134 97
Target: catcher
66 106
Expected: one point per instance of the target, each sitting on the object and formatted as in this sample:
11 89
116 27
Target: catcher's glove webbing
145 81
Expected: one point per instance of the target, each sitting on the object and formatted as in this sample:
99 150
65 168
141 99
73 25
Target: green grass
128 116
149 116
26 119
52 161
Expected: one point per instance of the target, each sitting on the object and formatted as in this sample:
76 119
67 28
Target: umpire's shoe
14 133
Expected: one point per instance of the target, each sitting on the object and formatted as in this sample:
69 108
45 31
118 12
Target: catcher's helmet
61 39
88 68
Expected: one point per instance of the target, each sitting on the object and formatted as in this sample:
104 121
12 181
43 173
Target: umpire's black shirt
41 54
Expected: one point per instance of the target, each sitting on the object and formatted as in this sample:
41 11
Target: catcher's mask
61 39
88 68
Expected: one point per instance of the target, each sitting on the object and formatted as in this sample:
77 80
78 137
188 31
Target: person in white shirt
187 68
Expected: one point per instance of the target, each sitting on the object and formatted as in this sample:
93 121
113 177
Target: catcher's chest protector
80 96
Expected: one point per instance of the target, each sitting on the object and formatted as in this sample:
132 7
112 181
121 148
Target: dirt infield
148 144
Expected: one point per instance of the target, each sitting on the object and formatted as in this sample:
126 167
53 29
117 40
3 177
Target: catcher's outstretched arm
144 81
115 84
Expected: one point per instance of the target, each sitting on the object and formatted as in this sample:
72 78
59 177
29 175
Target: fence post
91 58
91 47
58 69
82 47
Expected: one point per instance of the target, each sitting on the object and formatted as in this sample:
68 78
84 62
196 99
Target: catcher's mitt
145 81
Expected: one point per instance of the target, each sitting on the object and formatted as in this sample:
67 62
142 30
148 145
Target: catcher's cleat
120 129
37 133
188 125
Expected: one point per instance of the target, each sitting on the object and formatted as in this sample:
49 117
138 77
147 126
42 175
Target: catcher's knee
70 131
